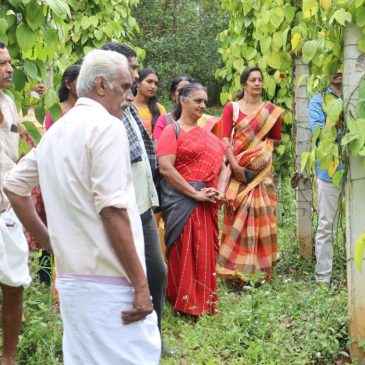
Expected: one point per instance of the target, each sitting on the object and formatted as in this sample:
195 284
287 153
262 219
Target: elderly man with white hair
83 168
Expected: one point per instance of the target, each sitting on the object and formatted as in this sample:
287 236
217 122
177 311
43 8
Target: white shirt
82 165
9 141
144 186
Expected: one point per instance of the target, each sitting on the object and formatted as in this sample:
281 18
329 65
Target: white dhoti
94 333
14 251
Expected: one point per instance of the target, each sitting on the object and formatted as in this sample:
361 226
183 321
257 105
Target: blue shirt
318 118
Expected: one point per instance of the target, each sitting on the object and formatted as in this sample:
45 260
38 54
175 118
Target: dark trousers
156 268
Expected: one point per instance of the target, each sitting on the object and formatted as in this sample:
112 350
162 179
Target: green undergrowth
288 321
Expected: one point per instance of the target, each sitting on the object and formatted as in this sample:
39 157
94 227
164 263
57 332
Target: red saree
191 276
249 237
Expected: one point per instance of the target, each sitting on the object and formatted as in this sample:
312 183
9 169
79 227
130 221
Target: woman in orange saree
249 237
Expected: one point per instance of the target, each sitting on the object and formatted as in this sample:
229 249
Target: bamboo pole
354 69
303 190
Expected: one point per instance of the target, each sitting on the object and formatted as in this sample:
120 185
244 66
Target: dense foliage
179 38
44 37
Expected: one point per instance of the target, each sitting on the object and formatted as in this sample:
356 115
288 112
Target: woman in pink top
176 85
66 92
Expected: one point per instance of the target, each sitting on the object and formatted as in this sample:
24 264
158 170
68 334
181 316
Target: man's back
84 166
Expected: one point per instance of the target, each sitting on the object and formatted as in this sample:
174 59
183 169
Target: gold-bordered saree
249 237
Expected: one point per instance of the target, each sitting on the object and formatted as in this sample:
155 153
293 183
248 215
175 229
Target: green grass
289 320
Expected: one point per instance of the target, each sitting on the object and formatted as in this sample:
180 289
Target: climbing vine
271 34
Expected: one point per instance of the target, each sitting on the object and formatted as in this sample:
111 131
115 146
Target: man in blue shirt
328 194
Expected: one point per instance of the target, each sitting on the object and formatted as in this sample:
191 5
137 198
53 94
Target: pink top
160 126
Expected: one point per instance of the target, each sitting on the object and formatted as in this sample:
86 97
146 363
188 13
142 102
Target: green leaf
309 50
276 17
361 44
341 16
25 37
34 15
30 69
360 108
85 22
239 65
334 109
250 53
289 13
33 132
356 145
59 7
19 79
315 136
50 99
304 159
270 86
309 7
326 162
265 43
359 251
360 16
281 150
362 89
337 177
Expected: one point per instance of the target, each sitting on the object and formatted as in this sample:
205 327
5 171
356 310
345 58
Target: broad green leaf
315 136
274 60
359 251
277 40
360 108
326 162
276 17
25 37
239 65
33 131
309 50
362 89
356 145
19 79
309 7
34 15
304 159
337 177
361 43
31 70
265 43
55 111
59 7
250 53
270 86
341 16
358 3
281 150
334 109
50 99
85 22
295 40
360 16
94 21
289 13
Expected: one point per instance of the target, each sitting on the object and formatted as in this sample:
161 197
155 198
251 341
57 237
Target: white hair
99 63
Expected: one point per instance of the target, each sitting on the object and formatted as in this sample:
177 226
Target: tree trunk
303 189
355 199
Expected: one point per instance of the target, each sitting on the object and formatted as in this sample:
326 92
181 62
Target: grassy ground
290 320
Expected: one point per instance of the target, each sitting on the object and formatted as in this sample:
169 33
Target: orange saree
249 237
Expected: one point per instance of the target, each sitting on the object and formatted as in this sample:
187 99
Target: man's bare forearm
24 208
117 225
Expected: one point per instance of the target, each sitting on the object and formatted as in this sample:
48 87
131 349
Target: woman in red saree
191 162
251 128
